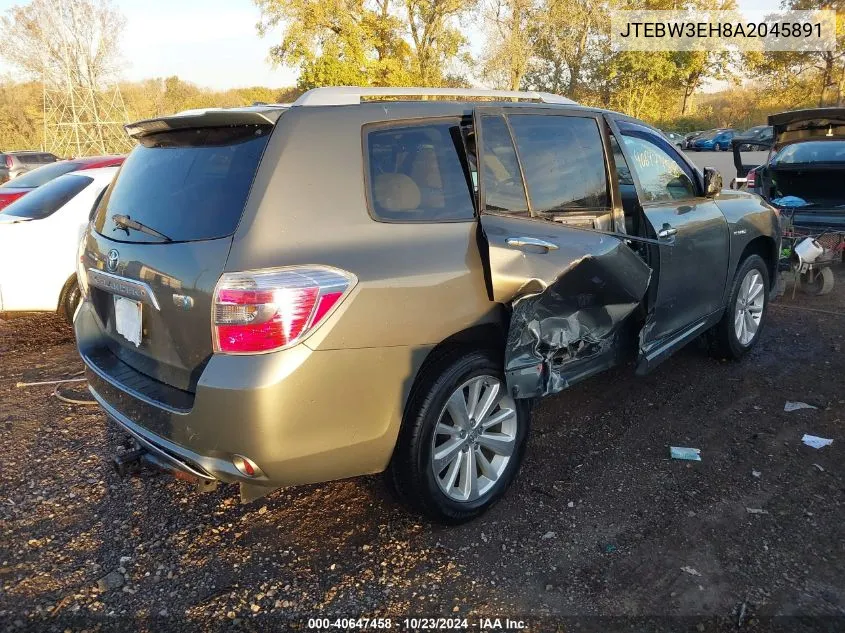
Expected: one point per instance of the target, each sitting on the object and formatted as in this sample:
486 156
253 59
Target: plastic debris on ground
815 441
681 452
691 571
756 511
796 406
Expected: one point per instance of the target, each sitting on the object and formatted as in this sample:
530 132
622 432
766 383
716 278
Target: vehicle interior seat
396 193
425 172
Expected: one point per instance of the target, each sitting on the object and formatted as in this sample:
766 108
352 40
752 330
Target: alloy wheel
748 310
474 439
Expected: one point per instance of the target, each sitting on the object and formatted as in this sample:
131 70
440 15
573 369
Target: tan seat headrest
396 192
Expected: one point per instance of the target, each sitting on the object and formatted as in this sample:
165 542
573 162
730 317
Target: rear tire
443 465
69 299
739 330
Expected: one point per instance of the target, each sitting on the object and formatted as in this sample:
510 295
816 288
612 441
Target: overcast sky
214 43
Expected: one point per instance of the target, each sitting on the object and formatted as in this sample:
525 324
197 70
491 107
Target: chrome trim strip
123 287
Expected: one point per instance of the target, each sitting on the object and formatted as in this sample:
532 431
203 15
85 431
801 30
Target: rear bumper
174 456
302 416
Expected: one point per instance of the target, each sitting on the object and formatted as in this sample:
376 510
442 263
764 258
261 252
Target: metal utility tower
83 121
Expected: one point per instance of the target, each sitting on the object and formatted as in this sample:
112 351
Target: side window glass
563 160
661 177
623 172
503 190
416 175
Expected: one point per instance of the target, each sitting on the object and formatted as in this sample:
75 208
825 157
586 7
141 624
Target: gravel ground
599 523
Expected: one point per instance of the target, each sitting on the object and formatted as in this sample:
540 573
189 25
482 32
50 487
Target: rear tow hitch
128 462
138 457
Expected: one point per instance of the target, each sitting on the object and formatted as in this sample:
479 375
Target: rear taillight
751 179
8 198
267 310
9 162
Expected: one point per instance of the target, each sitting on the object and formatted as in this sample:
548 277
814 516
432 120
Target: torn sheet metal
571 329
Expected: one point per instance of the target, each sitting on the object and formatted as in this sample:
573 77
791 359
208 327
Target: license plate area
128 319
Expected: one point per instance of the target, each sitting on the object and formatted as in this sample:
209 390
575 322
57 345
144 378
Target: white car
39 240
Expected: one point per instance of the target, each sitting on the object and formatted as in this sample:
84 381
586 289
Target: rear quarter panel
418 283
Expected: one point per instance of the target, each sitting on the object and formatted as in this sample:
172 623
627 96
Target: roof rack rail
349 95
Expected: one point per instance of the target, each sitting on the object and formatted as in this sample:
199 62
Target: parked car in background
39 239
718 140
676 139
14 164
804 175
21 186
689 138
755 135
212 311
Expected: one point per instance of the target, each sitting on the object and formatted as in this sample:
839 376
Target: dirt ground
600 521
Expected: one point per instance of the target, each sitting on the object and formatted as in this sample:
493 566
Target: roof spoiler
212 117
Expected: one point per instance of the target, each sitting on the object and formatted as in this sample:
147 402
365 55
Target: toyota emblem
114 258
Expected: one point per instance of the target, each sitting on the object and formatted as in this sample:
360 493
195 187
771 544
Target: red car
22 185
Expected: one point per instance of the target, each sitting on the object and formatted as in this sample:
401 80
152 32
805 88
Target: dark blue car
719 140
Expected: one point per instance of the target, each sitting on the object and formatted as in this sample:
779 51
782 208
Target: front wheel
462 439
745 313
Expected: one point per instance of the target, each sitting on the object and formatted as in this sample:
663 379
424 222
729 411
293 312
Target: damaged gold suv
279 295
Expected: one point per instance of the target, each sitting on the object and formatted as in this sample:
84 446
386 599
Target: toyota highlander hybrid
279 295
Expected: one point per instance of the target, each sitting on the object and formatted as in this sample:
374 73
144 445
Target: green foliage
22 116
820 72
560 46
366 42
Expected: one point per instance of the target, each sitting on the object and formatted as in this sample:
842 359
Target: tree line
560 46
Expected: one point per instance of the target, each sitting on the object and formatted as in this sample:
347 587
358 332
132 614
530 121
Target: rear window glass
42 175
45 201
811 152
416 173
186 184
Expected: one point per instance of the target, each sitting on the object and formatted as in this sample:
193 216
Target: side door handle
522 242
666 231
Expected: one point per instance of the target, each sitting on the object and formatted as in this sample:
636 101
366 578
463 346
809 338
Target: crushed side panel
571 329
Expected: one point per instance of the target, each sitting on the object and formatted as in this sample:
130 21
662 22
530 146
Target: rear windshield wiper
125 222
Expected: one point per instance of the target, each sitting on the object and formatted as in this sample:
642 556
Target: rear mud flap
251 492
572 329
